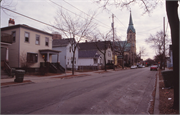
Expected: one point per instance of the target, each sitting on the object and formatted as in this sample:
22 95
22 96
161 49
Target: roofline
26 27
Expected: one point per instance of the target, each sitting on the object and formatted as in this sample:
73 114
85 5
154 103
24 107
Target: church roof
131 27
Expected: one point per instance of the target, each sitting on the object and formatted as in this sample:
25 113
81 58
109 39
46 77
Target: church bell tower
131 38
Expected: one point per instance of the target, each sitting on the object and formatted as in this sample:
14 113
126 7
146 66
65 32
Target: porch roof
52 52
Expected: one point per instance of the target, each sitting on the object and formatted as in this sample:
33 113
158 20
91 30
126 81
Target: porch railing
7 68
7 38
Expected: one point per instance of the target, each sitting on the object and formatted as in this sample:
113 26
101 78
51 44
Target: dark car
153 67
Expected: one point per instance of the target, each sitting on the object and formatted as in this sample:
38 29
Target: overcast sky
45 11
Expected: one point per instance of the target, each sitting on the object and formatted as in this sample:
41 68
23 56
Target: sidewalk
9 81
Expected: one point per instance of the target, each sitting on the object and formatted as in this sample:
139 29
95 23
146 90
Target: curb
156 105
16 84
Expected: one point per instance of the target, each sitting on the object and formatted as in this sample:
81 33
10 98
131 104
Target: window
26 37
47 42
32 57
130 36
14 36
95 60
109 53
37 39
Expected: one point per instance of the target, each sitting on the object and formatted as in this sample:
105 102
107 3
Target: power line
36 20
83 12
77 14
120 21
149 29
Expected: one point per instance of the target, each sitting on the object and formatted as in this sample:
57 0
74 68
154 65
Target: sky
45 11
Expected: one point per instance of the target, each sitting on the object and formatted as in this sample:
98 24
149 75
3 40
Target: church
131 38
130 48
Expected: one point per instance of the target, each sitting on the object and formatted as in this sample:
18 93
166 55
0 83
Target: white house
92 53
89 58
66 54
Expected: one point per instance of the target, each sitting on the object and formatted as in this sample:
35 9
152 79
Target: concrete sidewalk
37 78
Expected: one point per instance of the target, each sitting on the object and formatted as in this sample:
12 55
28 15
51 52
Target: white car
133 67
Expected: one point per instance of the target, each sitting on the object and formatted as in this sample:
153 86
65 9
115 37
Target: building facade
30 46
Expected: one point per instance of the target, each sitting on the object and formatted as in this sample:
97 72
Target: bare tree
7 4
158 44
103 45
172 14
24 63
74 27
121 47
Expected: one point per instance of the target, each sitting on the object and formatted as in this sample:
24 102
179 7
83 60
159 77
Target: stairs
58 67
4 75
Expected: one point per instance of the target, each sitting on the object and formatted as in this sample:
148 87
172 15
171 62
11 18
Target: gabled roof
61 42
123 44
131 27
88 54
102 45
26 27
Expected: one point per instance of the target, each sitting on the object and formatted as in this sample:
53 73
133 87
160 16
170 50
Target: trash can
168 78
13 72
19 75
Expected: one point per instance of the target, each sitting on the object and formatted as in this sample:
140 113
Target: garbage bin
168 78
13 72
19 75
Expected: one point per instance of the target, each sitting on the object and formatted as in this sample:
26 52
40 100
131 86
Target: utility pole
164 42
113 39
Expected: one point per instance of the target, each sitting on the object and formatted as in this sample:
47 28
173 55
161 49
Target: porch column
48 57
7 54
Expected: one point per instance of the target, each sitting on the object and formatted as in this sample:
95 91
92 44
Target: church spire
130 19
131 27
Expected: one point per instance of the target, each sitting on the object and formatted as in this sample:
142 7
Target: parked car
133 67
153 67
140 66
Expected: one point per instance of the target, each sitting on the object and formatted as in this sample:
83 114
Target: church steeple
131 27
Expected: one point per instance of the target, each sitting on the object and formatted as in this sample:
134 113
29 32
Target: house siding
13 49
65 53
62 55
20 47
32 47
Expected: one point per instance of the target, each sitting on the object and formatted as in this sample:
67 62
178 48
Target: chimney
11 22
57 36
86 41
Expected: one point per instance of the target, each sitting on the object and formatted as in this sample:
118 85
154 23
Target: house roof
93 45
123 44
131 27
61 42
88 54
26 27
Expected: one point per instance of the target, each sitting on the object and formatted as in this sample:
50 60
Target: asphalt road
116 92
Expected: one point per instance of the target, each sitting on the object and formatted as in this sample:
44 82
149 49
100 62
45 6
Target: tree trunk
172 14
105 62
73 62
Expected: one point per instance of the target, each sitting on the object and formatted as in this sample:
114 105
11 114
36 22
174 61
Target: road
115 92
